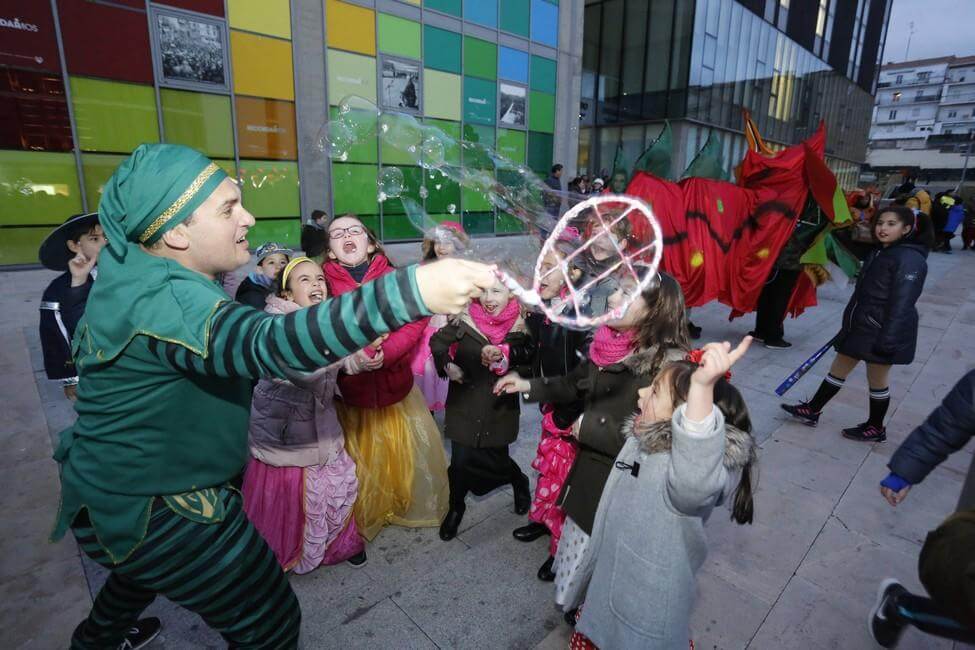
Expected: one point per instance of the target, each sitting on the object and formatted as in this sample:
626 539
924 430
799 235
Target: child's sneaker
881 624
803 413
866 433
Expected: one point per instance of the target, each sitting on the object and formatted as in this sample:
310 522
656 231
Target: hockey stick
806 366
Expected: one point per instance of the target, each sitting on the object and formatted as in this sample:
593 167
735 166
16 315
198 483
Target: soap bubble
451 208
400 131
335 139
391 183
424 192
433 152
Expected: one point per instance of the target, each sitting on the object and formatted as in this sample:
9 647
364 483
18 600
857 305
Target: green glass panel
412 181
365 149
541 112
399 227
480 58
478 223
198 120
399 36
113 117
439 198
480 100
19 245
371 222
350 74
283 231
354 188
474 201
451 142
540 152
228 166
452 7
270 188
98 169
441 49
542 74
398 155
478 158
506 223
442 91
514 16
511 145
37 187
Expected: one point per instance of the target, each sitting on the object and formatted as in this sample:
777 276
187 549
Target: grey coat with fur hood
648 540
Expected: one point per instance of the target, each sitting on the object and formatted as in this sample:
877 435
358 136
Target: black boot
531 532
545 573
523 495
570 616
448 529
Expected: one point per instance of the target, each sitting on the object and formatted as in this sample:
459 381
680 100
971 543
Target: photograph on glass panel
512 105
190 50
400 85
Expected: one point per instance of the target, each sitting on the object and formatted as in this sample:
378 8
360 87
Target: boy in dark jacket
947 563
73 247
256 287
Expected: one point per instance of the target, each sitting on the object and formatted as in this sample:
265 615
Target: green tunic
165 386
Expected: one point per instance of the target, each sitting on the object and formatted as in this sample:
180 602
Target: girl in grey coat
690 434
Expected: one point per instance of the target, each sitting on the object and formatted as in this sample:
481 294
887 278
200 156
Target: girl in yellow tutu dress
396 445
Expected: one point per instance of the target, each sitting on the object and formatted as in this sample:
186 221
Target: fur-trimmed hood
740 447
645 361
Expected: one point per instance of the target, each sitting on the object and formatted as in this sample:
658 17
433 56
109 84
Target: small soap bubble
424 192
451 208
432 149
335 138
391 182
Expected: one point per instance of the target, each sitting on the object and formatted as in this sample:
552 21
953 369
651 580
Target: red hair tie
696 356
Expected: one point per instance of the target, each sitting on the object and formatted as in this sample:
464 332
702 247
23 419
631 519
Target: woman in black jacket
880 321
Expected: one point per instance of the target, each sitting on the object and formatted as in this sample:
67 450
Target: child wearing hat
72 247
256 287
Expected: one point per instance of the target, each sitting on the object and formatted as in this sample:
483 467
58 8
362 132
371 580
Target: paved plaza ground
803 576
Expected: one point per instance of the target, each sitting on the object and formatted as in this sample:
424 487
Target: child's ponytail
743 507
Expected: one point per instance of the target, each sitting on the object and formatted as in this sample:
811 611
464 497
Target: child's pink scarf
495 328
611 346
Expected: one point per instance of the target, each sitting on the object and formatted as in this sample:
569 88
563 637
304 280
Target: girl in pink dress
300 484
445 240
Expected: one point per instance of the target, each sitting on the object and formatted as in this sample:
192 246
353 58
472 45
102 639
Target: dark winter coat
62 306
880 321
608 396
253 294
475 416
314 239
558 351
947 430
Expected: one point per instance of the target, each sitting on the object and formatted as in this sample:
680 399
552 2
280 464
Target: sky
941 28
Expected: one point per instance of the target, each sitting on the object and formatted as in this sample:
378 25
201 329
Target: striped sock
827 390
879 403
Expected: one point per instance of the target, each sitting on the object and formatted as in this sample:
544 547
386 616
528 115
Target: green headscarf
153 190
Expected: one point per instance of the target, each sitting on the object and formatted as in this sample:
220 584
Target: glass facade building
83 83
698 63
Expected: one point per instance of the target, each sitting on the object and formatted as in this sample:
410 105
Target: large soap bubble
336 139
391 183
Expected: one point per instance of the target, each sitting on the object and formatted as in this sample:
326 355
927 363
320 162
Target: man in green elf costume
166 362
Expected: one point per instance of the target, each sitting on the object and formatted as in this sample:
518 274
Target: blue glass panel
482 12
545 23
513 65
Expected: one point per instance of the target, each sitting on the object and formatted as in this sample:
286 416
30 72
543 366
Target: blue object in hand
894 482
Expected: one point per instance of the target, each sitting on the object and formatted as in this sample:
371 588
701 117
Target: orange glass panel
266 129
349 27
262 66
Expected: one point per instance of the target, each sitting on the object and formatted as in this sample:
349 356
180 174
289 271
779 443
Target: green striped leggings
225 572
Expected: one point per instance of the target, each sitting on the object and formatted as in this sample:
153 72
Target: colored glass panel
107 41
477 158
363 150
482 12
480 58
113 117
270 187
412 181
479 223
272 17
371 222
399 36
354 188
398 154
506 223
228 166
442 94
283 231
266 129
514 16
452 143
198 120
350 74
350 27
439 199
545 23
452 7
212 7
37 187
540 152
98 168
34 45
541 112
441 49
399 227
19 245
513 65
34 111
480 101
262 66
474 201
511 145
543 74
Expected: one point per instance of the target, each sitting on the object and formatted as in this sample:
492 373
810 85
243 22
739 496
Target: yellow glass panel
262 66
262 16
350 28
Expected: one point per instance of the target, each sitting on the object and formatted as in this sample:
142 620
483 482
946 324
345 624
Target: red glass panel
105 41
27 38
33 111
